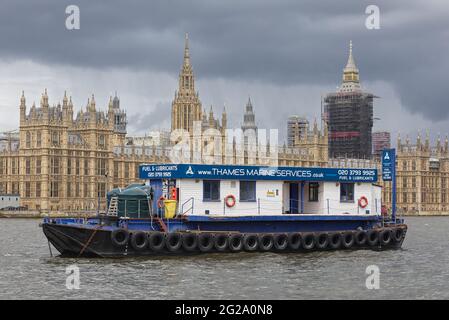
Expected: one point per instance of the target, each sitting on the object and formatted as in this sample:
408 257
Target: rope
89 241
75 240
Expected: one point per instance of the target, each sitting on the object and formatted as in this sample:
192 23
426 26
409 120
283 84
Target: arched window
38 139
28 140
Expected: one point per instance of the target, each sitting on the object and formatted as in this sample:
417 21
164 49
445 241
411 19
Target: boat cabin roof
246 172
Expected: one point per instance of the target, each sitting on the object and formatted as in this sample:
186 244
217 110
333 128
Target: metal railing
192 200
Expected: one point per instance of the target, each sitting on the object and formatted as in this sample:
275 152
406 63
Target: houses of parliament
66 162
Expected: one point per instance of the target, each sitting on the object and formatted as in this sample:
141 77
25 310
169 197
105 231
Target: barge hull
95 241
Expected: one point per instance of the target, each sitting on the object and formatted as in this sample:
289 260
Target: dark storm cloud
280 42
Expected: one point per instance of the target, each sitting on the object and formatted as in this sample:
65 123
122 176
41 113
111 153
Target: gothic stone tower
186 107
350 116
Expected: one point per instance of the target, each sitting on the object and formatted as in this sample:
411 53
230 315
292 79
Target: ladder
161 224
112 210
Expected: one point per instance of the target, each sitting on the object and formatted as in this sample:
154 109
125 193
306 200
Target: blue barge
190 208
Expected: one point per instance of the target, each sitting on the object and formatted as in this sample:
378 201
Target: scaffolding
349 118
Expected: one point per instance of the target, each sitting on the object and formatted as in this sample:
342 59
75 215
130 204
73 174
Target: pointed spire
249 105
350 74
186 51
65 100
44 99
22 98
350 65
110 105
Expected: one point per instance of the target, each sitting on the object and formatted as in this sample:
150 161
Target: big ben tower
186 106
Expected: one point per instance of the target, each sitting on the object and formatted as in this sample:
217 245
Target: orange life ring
231 203
363 202
160 202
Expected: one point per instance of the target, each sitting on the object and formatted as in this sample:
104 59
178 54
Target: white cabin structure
219 190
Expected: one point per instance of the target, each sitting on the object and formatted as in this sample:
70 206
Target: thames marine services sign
235 172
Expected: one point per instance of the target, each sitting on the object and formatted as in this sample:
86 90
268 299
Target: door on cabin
294 197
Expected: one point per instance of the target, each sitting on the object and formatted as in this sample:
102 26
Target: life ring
363 202
231 203
160 202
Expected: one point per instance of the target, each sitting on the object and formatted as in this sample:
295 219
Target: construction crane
7 136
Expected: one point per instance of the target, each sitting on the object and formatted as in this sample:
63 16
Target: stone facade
66 163
422 178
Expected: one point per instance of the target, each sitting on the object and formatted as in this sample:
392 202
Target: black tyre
348 240
221 242
280 241
322 240
156 241
373 237
119 237
205 242
189 242
294 241
361 238
308 241
385 237
173 241
139 240
335 240
397 234
250 242
265 242
235 242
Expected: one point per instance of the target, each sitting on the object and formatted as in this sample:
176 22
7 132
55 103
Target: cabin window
346 192
313 191
247 190
211 190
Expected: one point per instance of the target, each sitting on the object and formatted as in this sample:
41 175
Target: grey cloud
285 43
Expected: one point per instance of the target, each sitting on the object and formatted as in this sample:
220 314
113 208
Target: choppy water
420 270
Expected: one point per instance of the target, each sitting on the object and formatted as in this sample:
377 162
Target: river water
420 270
